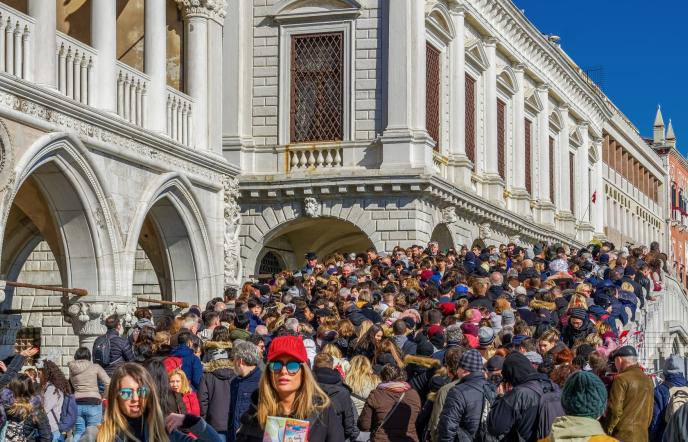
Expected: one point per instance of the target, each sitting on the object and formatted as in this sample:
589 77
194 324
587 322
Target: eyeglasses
293 367
127 393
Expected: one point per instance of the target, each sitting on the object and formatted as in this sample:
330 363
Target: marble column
155 63
215 83
460 167
492 183
563 202
520 200
598 208
545 207
405 142
45 45
104 40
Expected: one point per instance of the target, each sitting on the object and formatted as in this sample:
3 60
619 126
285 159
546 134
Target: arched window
270 264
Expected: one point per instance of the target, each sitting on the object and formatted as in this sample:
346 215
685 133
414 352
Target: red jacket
191 403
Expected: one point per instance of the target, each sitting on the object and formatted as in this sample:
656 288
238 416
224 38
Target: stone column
545 207
582 190
563 155
405 142
460 167
492 183
104 40
237 70
155 63
215 82
519 194
45 45
598 208
88 315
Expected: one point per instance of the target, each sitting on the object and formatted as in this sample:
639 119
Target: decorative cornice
214 9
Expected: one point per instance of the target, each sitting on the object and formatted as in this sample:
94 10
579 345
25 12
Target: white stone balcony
75 69
16 46
179 122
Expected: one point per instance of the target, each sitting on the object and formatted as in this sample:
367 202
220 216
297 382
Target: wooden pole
72 291
161 302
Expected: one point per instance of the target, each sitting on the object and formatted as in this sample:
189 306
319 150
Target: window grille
470 119
572 182
528 153
432 93
501 137
551 169
317 87
270 264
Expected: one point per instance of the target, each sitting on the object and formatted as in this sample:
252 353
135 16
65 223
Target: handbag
387 416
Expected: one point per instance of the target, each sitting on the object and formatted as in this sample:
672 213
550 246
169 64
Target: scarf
395 387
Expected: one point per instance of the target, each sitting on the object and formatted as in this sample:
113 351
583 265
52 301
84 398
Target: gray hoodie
84 376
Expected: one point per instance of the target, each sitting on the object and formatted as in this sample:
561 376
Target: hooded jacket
577 429
84 376
570 334
331 383
662 397
515 414
214 390
191 364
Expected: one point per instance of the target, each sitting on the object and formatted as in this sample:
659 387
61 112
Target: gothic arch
75 214
182 253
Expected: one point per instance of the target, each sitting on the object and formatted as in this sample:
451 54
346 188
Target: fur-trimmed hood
536 304
219 364
423 361
217 344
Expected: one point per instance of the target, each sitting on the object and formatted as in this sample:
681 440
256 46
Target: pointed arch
170 211
438 20
57 170
301 10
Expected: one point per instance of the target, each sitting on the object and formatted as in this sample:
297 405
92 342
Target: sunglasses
127 393
293 367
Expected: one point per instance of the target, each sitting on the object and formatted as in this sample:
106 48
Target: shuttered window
551 169
528 152
317 87
572 182
432 93
501 138
470 119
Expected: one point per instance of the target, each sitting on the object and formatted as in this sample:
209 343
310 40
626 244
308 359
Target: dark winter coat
570 334
214 393
340 395
191 364
120 351
241 389
37 422
325 427
370 314
661 401
530 317
481 301
419 372
460 416
201 430
13 369
400 426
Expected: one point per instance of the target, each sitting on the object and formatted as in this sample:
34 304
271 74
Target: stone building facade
379 123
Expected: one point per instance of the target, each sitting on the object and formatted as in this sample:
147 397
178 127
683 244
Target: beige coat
84 376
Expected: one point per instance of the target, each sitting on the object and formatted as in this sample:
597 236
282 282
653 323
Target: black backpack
549 407
101 351
483 435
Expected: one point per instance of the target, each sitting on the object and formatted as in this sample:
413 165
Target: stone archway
443 236
322 235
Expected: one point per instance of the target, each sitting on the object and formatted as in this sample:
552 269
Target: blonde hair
310 399
115 422
550 335
332 350
360 377
186 387
578 300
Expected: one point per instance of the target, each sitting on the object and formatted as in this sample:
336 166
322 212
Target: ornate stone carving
484 231
449 215
87 315
216 9
311 207
232 245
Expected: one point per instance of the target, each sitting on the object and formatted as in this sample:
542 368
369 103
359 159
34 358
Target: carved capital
215 9
88 315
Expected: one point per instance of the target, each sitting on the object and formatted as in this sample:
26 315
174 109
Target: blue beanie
584 394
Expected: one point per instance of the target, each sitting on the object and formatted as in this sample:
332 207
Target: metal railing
132 87
75 69
15 42
179 108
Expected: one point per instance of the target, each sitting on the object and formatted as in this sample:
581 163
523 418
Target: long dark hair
166 396
53 375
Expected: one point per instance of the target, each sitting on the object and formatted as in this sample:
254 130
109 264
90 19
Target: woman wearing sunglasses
288 389
134 413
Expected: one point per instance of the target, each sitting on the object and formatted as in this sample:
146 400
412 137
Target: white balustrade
314 157
132 87
179 107
75 69
15 42
440 164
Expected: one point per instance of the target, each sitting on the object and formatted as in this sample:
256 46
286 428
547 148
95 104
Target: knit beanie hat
584 394
673 365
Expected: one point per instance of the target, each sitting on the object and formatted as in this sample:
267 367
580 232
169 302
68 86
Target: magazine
282 429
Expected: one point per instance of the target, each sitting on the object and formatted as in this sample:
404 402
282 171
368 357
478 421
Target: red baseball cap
291 346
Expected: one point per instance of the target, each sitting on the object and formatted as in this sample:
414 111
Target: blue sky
642 47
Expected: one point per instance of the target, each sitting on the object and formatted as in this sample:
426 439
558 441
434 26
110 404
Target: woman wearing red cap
288 389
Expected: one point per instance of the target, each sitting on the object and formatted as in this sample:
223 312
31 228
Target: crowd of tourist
420 344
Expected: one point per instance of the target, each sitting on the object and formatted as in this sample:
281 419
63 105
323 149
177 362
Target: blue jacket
253 321
658 424
191 364
240 391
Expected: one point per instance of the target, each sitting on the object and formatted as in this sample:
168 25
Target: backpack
549 408
101 351
14 432
678 396
483 435
68 413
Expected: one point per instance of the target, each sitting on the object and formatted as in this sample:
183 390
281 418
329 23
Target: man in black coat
331 383
460 417
120 348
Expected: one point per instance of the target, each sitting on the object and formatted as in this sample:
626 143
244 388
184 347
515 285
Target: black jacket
120 351
325 427
35 423
460 418
214 393
13 369
481 301
371 314
331 383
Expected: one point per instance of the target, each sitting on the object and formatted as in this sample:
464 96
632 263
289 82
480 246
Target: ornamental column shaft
519 151
155 63
599 206
44 41
564 202
104 40
490 106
